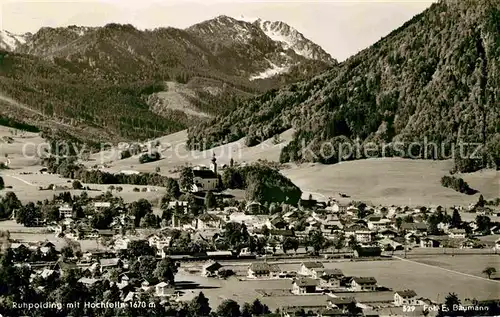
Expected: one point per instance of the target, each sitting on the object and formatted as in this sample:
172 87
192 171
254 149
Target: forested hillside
98 81
436 77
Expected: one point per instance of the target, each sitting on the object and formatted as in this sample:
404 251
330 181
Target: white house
310 268
340 208
207 221
163 290
406 297
378 224
99 205
457 233
304 285
263 270
159 242
364 284
362 234
66 211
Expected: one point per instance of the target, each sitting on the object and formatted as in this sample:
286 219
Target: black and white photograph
249 158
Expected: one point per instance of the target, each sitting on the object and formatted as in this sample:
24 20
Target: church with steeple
206 179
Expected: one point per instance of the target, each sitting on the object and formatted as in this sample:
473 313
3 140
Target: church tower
213 166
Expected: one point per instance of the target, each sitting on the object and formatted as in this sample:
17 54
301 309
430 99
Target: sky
341 27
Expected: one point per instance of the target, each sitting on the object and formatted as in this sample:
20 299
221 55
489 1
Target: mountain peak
292 39
10 41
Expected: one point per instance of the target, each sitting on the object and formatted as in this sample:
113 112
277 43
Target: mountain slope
292 39
117 79
437 77
10 42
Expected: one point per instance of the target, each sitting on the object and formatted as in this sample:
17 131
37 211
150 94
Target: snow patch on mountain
274 70
10 41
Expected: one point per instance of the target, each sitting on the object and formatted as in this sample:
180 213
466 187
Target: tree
481 202
77 185
247 310
166 270
399 223
228 308
67 252
258 308
2 184
50 213
339 242
200 306
186 178
451 301
352 243
27 214
489 271
139 209
210 201
290 243
353 309
483 223
172 187
456 220
137 248
316 240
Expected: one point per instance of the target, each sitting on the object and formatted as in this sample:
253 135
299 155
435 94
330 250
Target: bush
77 185
2 184
136 189
125 154
149 157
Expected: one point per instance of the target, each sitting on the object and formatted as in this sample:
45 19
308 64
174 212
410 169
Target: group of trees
149 157
8 204
66 167
262 184
457 184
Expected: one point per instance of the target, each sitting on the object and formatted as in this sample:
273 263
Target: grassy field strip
20 179
448 270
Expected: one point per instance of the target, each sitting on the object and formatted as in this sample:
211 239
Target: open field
246 291
393 181
473 265
388 181
430 282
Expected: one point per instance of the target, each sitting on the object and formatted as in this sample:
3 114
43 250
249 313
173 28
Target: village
322 257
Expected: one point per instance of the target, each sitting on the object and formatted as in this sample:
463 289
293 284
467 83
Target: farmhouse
364 284
362 234
66 211
304 285
160 242
263 270
308 268
107 264
406 297
417 228
457 233
100 205
211 269
331 278
429 243
207 221
164 290
340 302
340 208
